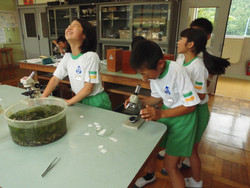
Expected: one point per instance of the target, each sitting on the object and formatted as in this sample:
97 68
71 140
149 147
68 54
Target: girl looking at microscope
61 44
192 42
81 64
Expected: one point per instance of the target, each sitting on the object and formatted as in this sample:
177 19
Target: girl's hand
126 103
150 113
68 102
54 42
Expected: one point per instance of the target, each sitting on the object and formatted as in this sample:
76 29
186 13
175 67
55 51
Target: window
30 24
239 18
208 13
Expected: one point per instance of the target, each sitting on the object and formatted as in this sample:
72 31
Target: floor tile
231 154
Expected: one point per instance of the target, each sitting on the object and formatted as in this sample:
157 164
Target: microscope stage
135 125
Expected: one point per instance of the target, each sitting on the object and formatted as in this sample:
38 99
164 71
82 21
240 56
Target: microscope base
135 125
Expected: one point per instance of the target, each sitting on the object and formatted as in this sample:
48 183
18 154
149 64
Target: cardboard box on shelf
114 60
124 34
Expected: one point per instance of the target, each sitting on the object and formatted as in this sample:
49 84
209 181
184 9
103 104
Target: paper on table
58 60
55 64
37 60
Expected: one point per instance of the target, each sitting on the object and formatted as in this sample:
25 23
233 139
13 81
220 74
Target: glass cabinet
115 22
52 22
89 13
151 21
118 23
59 19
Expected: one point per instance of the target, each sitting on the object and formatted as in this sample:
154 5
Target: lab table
113 82
83 162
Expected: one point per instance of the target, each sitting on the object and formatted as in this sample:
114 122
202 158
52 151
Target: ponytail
215 65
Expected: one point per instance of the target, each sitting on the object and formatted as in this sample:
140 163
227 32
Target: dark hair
204 24
61 39
215 65
90 42
135 40
198 37
145 53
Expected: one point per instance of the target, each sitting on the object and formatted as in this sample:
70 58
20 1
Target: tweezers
52 164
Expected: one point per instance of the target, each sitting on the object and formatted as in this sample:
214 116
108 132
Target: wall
233 87
237 49
235 83
12 34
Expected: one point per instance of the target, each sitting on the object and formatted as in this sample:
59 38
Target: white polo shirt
174 87
80 69
198 74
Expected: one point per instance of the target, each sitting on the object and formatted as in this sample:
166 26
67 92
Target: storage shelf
89 16
128 90
120 19
152 12
48 76
114 11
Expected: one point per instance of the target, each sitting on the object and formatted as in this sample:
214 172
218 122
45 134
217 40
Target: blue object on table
47 61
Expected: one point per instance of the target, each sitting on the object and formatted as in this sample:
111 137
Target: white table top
82 164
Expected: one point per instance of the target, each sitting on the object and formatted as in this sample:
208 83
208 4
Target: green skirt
181 131
203 118
101 100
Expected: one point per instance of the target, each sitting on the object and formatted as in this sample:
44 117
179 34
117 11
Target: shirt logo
198 85
167 90
78 70
188 96
92 74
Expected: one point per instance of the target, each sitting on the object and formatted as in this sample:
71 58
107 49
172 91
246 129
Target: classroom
116 90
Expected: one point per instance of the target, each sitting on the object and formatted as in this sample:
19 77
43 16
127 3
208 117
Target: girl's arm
201 95
150 113
151 101
54 42
61 50
84 92
53 82
209 80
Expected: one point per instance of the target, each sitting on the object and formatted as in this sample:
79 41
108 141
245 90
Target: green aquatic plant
38 135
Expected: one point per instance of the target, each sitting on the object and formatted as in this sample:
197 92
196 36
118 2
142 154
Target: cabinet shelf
48 76
128 90
113 18
119 19
114 11
87 16
152 12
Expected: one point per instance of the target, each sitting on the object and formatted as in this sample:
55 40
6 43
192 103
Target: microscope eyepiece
137 89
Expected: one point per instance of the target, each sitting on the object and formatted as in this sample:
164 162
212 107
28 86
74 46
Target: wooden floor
225 147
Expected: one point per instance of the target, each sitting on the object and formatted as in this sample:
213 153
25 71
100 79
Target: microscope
32 86
133 108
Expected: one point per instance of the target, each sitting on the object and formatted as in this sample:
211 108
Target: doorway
35 31
218 15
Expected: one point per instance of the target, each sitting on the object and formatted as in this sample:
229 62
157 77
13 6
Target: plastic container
104 130
41 131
